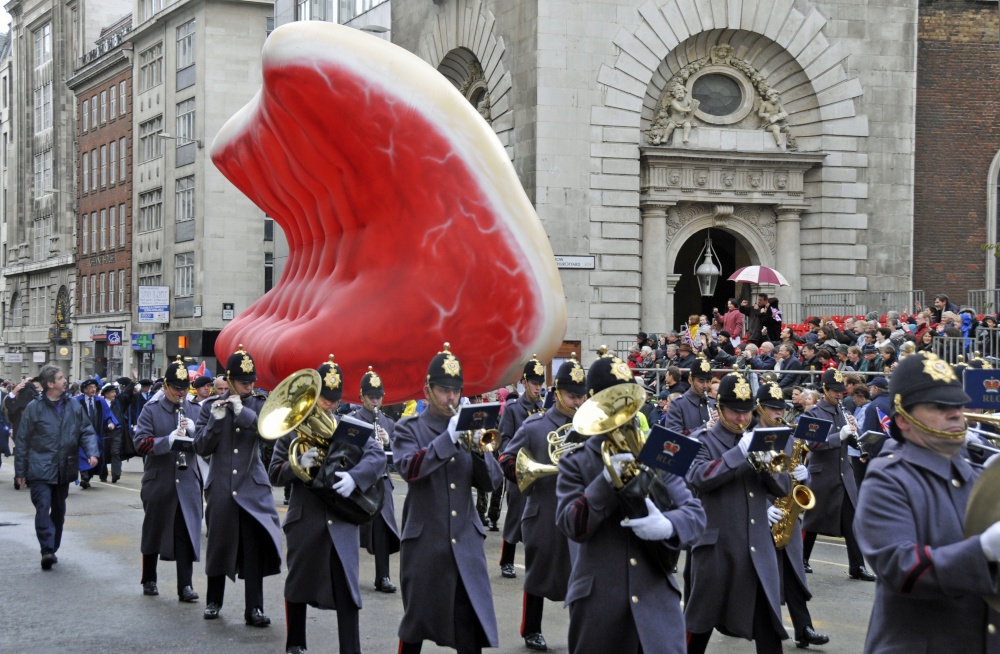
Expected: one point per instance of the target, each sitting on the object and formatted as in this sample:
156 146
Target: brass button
453 541
633 562
178 480
236 451
751 493
956 483
452 458
452 486
991 629
234 493
234 472
635 599
454 513
753 549
752 521
329 522
237 430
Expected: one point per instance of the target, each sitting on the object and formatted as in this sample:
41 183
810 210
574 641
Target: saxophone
799 500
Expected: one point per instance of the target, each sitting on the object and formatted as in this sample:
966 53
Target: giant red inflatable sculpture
406 223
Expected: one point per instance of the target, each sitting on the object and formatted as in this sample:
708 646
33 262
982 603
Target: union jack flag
884 421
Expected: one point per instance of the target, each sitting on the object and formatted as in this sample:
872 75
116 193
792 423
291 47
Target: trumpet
479 441
182 463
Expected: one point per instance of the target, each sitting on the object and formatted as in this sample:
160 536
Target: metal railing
984 344
858 303
984 300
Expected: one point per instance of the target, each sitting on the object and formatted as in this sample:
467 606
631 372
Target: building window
83 295
121 225
104 107
268 27
102 292
43 44
151 210
85 233
150 143
149 8
3 82
268 271
185 45
112 101
39 310
121 93
43 236
86 172
16 312
93 230
43 172
93 169
112 225
93 111
185 122
104 166
151 274
43 107
93 293
184 200
113 160
184 274
86 115
104 229
268 228
150 68
121 154
121 290
111 291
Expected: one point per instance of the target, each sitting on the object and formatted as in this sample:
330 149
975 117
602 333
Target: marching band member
445 583
381 536
833 480
546 551
244 533
171 489
620 599
693 409
515 413
911 520
737 550
795 590
323 549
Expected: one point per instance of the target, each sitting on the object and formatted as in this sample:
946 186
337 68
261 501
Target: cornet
480 441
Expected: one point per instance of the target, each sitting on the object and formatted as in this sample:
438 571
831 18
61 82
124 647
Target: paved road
92 600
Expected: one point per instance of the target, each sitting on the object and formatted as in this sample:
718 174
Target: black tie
90 407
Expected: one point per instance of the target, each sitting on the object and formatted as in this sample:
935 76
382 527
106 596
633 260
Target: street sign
227 311
142 342
574 262
154 304
114 337
13 357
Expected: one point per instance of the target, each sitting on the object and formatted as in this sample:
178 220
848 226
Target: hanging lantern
707 273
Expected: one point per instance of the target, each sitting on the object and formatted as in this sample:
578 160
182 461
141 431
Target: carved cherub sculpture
679 112
775 118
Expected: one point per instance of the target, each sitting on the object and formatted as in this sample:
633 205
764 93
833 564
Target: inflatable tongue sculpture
406 223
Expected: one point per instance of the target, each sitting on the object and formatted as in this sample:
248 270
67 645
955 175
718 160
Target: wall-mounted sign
39 357
227 311
142 342
576 262
154 304
13 357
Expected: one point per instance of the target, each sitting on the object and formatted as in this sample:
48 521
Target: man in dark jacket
15 402
53 429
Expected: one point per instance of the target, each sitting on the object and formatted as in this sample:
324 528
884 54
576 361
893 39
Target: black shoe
212 610
48 559
187 594
295 649
810 637
104 480
484 520
17 486
507 570
493 526
383 585
808 568
115 478
149 588
862 574
536 642
256 618
84 484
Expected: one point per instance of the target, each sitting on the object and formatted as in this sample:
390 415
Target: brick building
103 297
957 144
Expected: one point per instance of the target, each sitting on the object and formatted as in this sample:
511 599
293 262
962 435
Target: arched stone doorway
731 255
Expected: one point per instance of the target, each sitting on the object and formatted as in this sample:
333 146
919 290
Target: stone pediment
672 176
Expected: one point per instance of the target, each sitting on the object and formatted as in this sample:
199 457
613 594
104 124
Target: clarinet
846 415
181 457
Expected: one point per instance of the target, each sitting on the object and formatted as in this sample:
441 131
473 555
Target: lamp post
183 140
707 273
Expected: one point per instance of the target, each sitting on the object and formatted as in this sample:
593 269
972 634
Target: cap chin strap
442 409
567 409
826 396
735 428
940 433
765 420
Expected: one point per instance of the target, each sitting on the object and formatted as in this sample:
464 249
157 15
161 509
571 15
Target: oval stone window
720 95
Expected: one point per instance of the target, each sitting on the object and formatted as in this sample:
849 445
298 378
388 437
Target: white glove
452 434
654 526
617 461
767 457
990 542
189 426
346 485
846 432
309 458
237 403
382 437
171 438
800 473
219 411
774 514
744 443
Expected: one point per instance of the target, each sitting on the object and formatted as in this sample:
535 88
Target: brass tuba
612 411
292 406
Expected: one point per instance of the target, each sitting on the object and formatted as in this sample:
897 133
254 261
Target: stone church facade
799 149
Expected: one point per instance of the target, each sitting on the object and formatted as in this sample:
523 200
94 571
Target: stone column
672 280
653 289
789 253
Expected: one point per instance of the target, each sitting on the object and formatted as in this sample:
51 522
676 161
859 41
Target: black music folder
353 431
814 430
182 444
669 451
472 417
769 439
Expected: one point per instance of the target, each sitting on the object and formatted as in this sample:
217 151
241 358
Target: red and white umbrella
761 275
